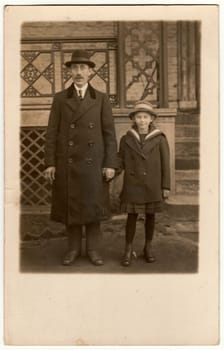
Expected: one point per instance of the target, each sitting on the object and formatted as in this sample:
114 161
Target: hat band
151 112
143 109
80 60
76 59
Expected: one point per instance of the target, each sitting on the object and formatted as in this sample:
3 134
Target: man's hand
166 193
49 174
108 173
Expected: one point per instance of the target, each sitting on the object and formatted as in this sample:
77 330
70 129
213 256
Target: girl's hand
166 193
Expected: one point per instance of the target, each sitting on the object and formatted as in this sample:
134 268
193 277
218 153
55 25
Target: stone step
187 163
187 182
187 186
187 148
183 200
187 139
187 175
187 227
187 131
188 119
183 207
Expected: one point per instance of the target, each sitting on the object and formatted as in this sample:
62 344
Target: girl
144 157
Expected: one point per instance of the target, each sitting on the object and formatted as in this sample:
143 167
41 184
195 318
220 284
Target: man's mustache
78 76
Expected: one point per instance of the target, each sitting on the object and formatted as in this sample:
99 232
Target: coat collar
71 89
133 140
149 136
73 102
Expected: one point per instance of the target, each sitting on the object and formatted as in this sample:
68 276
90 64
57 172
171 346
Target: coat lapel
151 141
73 103
78 107
133 141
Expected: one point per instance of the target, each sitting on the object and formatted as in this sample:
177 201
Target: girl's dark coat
80 141
147 168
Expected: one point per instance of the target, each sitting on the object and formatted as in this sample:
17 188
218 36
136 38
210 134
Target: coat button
91 125
144 173
71 143
90 143
89 161
72 126
70 160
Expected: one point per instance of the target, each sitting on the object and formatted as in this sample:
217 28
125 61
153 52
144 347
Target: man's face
80 73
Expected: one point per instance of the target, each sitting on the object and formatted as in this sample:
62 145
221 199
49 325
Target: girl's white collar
148 136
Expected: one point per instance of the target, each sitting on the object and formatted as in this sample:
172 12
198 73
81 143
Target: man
80 158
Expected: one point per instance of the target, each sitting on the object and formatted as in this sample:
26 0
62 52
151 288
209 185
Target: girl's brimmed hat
80 56
143 106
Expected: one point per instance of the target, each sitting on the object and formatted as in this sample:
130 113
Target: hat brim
132 114
89 63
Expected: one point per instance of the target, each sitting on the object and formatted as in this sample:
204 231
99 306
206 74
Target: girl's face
143 120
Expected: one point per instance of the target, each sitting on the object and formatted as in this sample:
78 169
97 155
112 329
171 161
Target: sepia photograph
108 170
127 151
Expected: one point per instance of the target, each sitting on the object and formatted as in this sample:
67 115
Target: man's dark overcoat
147 167
80 141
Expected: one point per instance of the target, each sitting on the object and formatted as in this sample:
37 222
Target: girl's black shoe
149 258
126 260
128 255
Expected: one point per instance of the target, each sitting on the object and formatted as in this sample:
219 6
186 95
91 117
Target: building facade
156 60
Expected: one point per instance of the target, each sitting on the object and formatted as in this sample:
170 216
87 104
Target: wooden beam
121 66
163 98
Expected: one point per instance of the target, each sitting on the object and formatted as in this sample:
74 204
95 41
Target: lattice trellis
142 56
34 189
37 73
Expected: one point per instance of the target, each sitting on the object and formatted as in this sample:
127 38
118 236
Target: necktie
80 94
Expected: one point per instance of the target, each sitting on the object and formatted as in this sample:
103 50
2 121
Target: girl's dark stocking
130 228
149 227
149 231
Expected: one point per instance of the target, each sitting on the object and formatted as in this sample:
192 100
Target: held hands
108 173
49 174
166 193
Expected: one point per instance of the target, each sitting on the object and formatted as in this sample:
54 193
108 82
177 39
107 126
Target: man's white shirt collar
83 89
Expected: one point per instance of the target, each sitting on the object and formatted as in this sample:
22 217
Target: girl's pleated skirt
142 208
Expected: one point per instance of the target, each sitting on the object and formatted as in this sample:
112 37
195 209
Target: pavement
175 251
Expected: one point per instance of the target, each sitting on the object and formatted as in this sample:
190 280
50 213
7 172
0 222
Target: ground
175 251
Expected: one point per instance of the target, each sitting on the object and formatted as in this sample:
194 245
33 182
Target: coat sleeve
165 162
51 134
121 156
108 129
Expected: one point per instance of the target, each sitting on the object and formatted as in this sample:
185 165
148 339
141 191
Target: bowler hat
80 56
143 106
